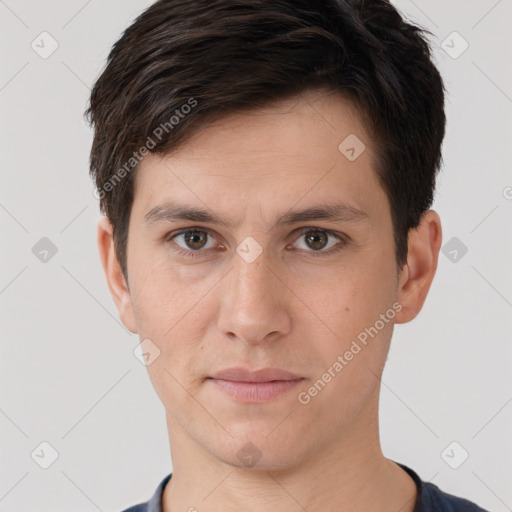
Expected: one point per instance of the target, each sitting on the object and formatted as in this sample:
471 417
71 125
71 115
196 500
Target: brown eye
316 239
192 241
195 239
319 241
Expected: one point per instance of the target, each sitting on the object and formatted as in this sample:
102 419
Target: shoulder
434 499
154 504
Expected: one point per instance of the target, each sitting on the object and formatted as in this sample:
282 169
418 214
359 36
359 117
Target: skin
287 309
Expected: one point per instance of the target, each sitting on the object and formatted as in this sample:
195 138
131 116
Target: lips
263 375
255 386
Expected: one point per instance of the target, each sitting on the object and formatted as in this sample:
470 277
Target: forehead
308 148
297 124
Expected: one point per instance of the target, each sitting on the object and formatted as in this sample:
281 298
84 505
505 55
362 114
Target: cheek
350 299
166 299
171 315
351 365
356 315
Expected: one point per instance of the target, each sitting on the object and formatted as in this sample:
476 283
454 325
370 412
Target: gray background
68 374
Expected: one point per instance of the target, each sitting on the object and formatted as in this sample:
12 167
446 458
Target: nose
254 302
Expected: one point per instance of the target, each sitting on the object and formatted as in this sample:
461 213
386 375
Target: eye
192 241
316 240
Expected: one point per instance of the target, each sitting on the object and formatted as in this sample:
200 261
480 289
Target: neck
351 474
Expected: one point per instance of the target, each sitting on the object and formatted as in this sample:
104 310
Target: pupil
192 236
312 238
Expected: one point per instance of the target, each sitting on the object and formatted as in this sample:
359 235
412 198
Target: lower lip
256 392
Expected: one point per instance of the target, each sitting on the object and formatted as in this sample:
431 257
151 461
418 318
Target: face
290 267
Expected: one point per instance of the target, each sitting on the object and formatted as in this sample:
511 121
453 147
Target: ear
417 274
115 278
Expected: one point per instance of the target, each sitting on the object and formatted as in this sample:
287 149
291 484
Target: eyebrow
336 212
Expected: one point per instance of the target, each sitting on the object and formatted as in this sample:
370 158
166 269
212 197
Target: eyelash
343 241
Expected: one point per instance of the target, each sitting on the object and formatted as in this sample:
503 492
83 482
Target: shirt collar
155 502
420 488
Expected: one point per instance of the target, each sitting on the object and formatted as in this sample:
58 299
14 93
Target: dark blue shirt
429 498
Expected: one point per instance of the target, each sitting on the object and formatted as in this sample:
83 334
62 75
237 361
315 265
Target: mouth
255 386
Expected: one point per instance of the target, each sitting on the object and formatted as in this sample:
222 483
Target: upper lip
262 375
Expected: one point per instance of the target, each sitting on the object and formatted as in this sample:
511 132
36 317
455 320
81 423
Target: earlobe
418 273
115 278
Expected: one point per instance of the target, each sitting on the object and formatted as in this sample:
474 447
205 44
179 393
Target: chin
261 452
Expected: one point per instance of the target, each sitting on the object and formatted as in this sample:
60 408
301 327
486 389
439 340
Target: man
266 171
